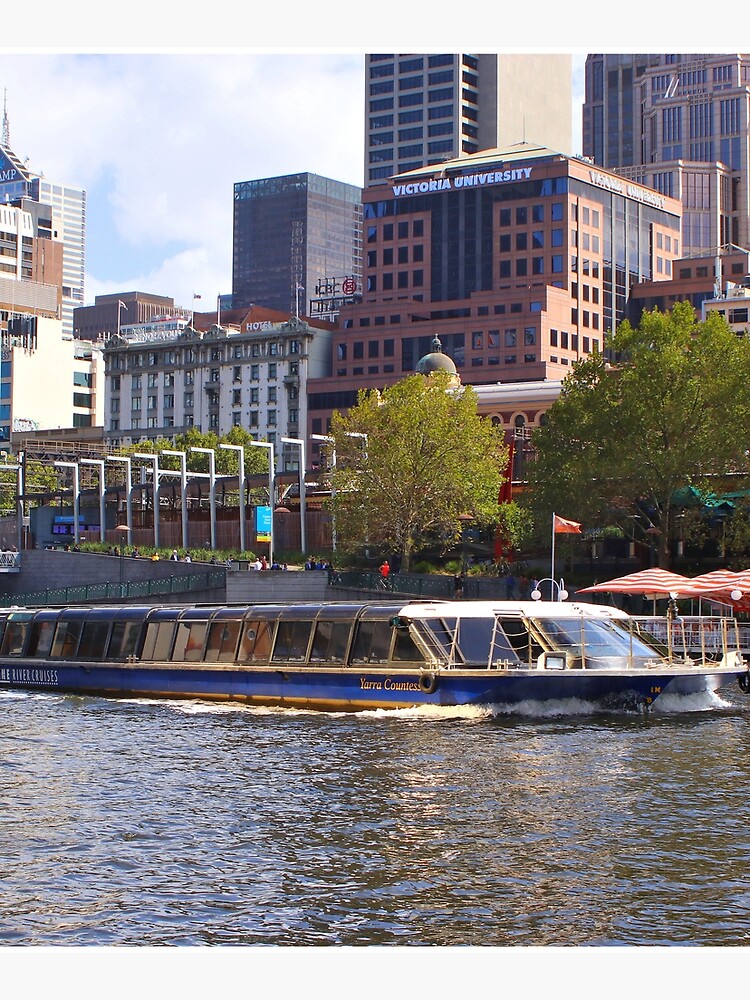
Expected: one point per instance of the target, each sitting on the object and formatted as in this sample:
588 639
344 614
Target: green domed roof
435 361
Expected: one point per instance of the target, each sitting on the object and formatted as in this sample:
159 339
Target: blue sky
158 136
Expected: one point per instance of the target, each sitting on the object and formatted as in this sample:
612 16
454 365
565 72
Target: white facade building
48 381
160 384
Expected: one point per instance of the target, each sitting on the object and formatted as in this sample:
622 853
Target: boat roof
528 609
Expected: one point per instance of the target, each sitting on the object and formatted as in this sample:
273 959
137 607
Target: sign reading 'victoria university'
480 179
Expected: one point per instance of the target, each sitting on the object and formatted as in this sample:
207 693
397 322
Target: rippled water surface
156 823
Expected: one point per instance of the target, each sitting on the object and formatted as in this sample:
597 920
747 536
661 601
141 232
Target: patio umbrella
658 582
723 586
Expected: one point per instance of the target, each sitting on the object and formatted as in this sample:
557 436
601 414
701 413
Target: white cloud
158 140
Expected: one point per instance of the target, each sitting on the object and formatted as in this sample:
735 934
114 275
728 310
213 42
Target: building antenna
6 123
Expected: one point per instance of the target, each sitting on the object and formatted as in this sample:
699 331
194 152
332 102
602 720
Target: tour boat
359 656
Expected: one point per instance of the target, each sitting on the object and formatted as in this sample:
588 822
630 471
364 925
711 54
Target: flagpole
552 568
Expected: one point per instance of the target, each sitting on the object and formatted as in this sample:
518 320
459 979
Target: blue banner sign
262 524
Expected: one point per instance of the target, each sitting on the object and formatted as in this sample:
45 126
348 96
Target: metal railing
92 593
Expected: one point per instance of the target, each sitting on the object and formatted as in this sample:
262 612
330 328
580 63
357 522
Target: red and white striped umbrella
723 586
648 581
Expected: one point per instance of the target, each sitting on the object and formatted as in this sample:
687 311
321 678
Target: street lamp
76 495
465 520
241 481
182 473
211 488
154 458
125 459
102 505
562 594
329 440
18 469
302 507
122 530
271 471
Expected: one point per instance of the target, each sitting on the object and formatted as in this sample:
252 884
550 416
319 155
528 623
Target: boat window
479 641
66 638
15 635
222 640
330 642
189 640
255 645
292 639
521 641
93 639
405 649
40 637
124 639
372 642
157 643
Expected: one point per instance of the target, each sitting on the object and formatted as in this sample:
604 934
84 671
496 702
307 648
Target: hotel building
520 260
250 372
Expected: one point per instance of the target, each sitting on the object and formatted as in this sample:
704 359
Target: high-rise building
297 244
64 218
111 312
679 124
424 109
521 260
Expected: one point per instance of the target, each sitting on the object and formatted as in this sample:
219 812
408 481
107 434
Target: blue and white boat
357 656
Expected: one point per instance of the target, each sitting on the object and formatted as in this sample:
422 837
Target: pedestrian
263 562
385 571
174 557
458 585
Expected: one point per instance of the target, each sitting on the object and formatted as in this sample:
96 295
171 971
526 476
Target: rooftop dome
436 361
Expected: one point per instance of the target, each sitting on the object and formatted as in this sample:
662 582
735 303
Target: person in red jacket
384 571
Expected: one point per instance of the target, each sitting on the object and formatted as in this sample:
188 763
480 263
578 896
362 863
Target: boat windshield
595 638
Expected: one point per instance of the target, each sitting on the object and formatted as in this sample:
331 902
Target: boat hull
352 689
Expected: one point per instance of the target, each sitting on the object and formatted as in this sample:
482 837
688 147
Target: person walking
385 572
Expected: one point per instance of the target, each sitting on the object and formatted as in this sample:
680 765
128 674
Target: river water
186 823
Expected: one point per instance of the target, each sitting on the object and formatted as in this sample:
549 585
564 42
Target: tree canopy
410 462
669 411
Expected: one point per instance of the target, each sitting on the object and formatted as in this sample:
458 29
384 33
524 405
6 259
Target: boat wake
701 701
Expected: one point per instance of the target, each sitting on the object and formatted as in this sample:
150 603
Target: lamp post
562 594
329 440
122 530
271 472
18 469
99 462
241 481
153 458
125 459
211 488
465 520
76 496
182 473
302 507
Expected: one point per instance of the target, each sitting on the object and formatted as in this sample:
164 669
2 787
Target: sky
157 136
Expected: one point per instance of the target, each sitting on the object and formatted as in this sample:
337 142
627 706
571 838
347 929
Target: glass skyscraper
294 237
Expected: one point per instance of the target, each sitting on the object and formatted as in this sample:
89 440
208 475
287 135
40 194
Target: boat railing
701 637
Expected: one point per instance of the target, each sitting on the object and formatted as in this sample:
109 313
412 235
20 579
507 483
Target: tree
671 411
409 461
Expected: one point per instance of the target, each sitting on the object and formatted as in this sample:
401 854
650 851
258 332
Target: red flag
563 527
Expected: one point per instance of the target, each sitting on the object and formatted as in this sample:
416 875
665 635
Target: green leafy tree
409 462
670 412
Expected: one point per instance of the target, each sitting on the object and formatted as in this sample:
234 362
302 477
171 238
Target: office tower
66 219
678 124
297 244
520 260
424 109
